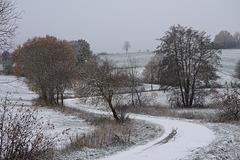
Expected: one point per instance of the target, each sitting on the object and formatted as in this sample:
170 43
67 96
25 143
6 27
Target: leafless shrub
206 113
228 103
22 134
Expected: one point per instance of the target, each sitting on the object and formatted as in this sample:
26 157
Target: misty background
106 24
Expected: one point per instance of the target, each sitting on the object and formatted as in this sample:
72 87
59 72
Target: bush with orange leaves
48 65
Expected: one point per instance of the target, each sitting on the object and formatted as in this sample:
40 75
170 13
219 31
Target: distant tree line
225 40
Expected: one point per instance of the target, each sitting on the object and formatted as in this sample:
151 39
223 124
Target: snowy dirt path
190 136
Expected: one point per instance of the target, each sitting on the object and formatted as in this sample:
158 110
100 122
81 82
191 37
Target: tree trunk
45 99
62 98
57 97
152 83
187 93
193 92
139 98
113 111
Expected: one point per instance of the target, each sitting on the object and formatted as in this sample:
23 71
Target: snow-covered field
18 94
229 59
194 139
122 59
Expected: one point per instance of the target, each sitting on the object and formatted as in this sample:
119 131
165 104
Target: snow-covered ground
62 122
16 90
189 137
123 59
18 94
194 139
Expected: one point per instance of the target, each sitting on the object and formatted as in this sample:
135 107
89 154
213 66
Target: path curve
189 137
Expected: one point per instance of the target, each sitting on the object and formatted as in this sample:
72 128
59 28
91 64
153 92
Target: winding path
189 137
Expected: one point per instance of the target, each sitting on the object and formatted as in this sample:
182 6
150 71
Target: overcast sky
106 24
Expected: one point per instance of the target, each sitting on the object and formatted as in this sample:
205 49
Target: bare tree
134 83
101 79
8 26
126 46
185 54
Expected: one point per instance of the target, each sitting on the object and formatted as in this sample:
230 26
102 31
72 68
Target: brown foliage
48 65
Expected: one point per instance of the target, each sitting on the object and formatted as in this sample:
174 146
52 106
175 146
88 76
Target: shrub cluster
228 103
22 134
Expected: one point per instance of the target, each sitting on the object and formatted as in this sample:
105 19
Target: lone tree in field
100 79
187 56
48 66
83 50
8 26
126 46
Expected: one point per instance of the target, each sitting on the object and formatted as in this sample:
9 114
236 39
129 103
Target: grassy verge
108 137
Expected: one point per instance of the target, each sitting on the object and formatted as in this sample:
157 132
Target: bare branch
8 25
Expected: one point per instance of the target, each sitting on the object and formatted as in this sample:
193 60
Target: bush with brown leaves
22 134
